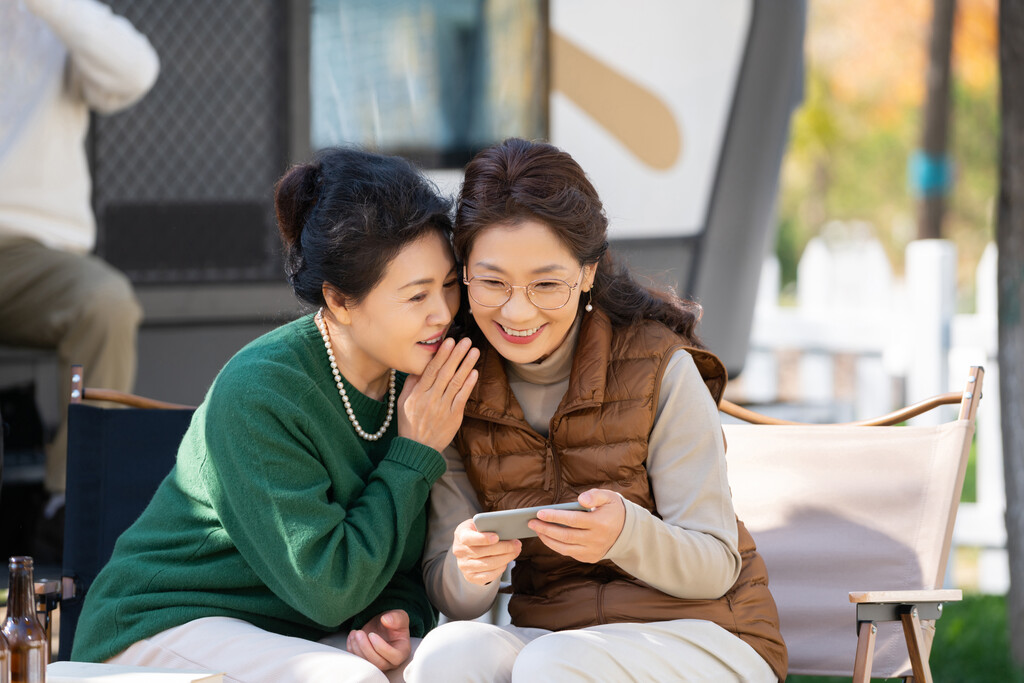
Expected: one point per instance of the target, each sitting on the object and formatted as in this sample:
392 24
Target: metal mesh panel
183 181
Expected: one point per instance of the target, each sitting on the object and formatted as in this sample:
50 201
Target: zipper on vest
600 603
556 463
556 467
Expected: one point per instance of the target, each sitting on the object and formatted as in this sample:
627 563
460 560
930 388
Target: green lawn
971 645
969 494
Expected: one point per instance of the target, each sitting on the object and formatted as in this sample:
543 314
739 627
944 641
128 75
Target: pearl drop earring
590 303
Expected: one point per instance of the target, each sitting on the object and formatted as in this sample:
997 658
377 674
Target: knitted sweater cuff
418 457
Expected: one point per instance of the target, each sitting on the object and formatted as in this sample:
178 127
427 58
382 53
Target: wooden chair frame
79 393
908 607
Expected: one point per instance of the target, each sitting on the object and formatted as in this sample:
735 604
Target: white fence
861 342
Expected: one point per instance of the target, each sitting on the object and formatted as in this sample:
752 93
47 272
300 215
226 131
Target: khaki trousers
248 654
78 306
681 650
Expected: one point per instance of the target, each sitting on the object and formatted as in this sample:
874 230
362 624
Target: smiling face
402 321
520 254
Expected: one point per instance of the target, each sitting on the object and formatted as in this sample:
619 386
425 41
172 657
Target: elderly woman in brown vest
592 388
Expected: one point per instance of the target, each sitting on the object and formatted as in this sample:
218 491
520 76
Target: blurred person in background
59 59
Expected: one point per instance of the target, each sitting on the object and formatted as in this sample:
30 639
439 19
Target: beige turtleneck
689 552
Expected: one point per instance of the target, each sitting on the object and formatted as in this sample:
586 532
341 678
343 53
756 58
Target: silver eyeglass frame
510 289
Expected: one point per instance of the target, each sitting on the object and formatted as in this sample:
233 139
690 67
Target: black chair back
116 459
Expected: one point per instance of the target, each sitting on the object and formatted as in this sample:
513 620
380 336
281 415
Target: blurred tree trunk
1010 242
935 137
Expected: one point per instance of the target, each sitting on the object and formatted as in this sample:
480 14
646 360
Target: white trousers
682 650
248 654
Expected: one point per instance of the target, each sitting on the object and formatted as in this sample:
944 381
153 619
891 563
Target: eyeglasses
494 292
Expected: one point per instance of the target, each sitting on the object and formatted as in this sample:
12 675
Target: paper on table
88 672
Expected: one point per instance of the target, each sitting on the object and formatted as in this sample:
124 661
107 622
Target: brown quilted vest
598 438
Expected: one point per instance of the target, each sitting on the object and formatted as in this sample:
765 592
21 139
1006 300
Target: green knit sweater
276 512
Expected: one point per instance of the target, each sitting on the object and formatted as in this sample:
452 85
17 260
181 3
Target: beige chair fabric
835 509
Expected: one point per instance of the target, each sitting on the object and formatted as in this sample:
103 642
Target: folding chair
116 460
857 513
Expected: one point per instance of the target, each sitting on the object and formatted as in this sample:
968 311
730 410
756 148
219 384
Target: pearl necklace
322 326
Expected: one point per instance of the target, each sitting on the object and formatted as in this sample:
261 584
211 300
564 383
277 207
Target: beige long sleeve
452 501
690 551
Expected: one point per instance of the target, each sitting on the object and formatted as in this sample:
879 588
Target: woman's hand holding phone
586 537
481 557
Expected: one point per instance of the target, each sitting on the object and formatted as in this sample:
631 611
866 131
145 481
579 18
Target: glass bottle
25 636
5 661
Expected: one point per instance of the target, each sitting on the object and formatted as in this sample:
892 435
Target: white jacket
58 60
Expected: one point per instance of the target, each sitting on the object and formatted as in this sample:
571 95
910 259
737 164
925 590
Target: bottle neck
21 591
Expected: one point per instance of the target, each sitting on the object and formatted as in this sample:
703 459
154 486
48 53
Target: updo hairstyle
346 214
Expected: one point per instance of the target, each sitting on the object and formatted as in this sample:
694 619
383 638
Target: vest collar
589 367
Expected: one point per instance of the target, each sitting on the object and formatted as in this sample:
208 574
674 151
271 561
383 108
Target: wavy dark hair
519 180
346 214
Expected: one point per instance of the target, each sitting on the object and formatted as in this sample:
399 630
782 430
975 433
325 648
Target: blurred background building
681 113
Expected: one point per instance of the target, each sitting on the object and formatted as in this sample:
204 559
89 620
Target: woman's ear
336 304
589 273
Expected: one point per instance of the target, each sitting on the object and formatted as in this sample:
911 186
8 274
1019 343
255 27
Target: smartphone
509 524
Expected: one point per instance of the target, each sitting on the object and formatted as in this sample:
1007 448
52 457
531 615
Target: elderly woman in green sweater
285 543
